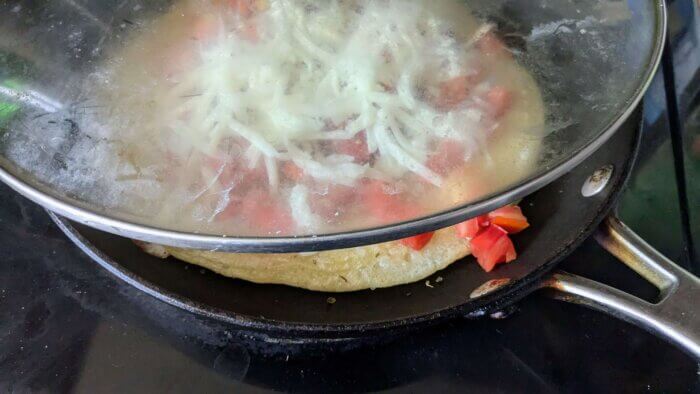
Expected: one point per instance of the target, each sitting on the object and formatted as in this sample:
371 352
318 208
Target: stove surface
67 325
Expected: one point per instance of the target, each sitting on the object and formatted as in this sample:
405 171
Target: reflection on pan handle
675 316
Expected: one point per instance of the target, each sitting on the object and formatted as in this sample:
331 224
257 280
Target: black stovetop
67 325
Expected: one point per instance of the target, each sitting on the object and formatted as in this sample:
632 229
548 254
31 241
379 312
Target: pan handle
675 316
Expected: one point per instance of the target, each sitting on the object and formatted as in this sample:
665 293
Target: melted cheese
334 65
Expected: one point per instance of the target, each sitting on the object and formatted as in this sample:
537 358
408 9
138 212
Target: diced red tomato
253 176
265 213
418 242
399 211
227 170
212 162
499 101
486 238
244 8
355 147
509 218
503 251
386 207
334 202
232 210
292 171
376 199
490 242
492 247
247 8
236 173
205 27
449 155
468 229
340 194
491 45
454 91
472 227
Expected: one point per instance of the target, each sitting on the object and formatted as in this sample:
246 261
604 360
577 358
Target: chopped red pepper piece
510 218
418 242
492 247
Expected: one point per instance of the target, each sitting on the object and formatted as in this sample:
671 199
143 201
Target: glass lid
291 125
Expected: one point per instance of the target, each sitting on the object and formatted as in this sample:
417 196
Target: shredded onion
301 212
339 65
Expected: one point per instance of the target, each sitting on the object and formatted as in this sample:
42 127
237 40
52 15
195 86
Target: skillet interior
561 218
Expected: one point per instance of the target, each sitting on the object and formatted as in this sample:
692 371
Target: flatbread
513 152
367 267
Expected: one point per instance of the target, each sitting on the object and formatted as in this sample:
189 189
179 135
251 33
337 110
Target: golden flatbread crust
367 267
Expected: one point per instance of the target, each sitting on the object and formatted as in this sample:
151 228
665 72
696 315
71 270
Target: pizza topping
510 218
492 246
488 235
418 242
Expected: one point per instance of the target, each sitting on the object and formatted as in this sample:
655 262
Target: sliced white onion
301 211
252 155
272 173
221 203
333 170
253 137
388 146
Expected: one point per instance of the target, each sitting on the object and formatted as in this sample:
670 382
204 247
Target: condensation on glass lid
283 117
291 117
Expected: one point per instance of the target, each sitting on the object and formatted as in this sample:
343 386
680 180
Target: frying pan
563 214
